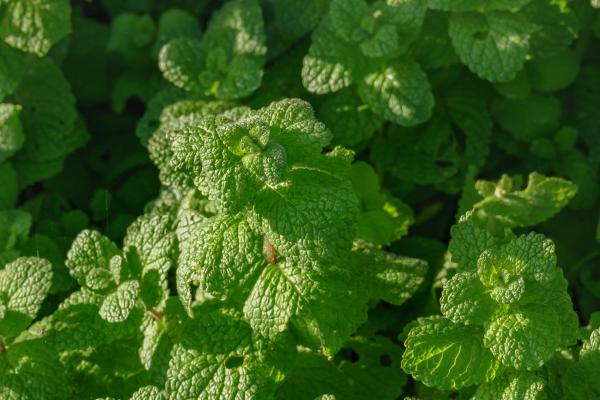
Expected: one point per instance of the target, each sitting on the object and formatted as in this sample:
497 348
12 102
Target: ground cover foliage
299 200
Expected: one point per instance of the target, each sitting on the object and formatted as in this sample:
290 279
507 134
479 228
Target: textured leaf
524 386
328 66
349 120
117 306
446 355
181 61
31 370
35 25
24 284
399 93
90 250
219 358
526 262
541 199
394 278
11 132
148 393
493 45
468 241
524 339
465 300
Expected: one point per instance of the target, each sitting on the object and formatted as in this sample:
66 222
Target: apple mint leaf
493 45
446 355
24 284
541 199
218 356
31 370
11 131
525 385
400 93
35 26
227 61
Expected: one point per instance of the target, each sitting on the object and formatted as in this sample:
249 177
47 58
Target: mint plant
299 200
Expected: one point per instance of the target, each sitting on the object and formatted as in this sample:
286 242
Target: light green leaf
181 61
11 132
399 92
117 306
465 300
540 200
148 393
493 45
446 355
468 241
525 385
219 358
328 66
35 26
525 338
24 284
89 250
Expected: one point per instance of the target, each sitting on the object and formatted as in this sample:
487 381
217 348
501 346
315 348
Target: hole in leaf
385 360
234 362
349 354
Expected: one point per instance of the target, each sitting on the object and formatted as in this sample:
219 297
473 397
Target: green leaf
394 278
399 93
35 26
525 338
328 66
236 33
11 69
446 355
14 229
8 196
580 380
349 120
493 45
223 257
227 62
24 284
220 358
526 263
31 370
541 199
11 132
148 393
525 385
465 300
345 17
131 35
473 5
90 250
152 240
117 306
468 241
49 120
181 61
530 118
